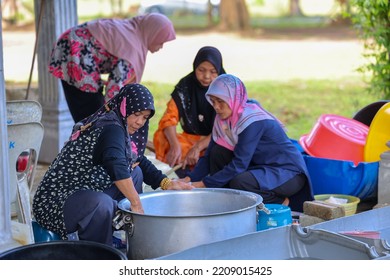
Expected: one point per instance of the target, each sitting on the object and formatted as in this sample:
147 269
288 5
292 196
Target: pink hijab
232 90
130 39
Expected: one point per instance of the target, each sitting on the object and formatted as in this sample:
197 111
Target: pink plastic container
365 234
336 137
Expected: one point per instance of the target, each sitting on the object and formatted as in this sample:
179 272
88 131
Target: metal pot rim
124 204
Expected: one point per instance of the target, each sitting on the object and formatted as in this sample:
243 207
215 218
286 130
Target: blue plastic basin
342 177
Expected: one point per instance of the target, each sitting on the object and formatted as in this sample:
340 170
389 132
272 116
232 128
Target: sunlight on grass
289 22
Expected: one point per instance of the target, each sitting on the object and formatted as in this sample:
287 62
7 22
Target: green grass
298 103
289 22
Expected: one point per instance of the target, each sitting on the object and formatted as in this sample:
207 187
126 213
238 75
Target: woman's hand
179 185
184 184
192 156
173 156
198 184
137 207
186 179
126 187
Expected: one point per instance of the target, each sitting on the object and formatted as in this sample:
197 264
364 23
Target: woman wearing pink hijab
117 47
249 150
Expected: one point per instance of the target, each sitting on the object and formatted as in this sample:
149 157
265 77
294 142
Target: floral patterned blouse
72 170
80 60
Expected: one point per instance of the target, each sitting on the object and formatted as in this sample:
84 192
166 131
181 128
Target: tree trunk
234 15
345 6
117 7
295 9
210 20
10 10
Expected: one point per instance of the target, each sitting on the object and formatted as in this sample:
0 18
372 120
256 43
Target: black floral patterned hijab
132 98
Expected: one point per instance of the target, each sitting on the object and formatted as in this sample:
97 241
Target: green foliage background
371 18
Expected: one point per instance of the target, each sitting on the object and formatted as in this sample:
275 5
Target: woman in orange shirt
189 108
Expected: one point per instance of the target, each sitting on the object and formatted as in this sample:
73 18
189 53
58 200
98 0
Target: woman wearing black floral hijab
102 163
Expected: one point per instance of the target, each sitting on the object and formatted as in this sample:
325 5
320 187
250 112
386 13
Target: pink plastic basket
336 137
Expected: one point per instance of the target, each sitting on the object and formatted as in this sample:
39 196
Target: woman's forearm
126 186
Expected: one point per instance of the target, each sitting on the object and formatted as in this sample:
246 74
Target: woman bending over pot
117 48
102 163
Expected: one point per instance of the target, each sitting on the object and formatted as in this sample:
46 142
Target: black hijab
131 98
195 112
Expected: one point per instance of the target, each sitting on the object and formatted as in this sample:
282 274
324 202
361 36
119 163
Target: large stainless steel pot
177 220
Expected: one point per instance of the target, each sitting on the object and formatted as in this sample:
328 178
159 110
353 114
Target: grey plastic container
283 243
376 219
372 220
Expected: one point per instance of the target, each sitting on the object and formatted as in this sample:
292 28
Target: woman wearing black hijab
189 108
102 163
